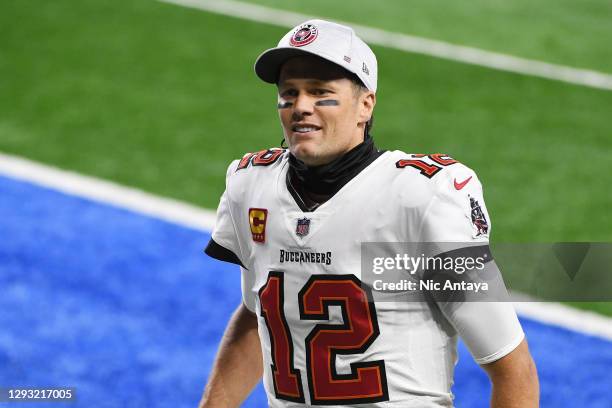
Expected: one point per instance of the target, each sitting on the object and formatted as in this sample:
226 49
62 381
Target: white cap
333 42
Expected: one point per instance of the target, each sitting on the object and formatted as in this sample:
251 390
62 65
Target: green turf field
162 98
567 32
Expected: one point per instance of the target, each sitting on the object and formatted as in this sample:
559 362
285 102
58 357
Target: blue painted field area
129 310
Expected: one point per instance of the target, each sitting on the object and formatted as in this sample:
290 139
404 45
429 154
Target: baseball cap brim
269 63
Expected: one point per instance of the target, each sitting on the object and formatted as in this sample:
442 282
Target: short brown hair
358 88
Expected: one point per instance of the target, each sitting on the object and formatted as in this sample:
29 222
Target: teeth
304 129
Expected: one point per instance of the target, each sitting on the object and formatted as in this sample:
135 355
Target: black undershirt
312 186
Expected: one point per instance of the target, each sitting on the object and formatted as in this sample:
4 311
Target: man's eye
289 93
320 92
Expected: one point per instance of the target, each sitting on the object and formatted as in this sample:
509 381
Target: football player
295 221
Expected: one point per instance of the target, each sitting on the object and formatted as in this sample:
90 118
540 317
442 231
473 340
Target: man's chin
305 154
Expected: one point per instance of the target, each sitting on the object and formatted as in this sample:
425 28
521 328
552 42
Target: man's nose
303 105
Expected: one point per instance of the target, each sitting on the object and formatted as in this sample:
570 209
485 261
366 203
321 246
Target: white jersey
324 341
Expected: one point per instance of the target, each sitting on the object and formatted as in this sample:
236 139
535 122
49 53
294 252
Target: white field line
194 217
564 316
107 192
414 44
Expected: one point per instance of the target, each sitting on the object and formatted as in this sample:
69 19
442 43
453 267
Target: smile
304 128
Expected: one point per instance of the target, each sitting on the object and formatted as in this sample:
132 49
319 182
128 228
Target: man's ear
367 101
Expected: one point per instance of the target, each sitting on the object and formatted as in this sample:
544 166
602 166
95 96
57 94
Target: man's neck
311 186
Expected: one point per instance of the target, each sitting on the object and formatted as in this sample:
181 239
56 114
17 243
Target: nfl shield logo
303 227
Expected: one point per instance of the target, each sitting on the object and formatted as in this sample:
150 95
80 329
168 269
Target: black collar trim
312 186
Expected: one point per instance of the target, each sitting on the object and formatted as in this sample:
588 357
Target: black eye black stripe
327 102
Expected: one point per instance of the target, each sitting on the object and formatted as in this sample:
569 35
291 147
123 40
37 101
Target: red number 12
366 382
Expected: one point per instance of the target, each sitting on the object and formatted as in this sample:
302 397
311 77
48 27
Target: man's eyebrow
316 82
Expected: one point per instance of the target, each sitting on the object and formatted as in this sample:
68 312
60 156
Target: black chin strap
312 186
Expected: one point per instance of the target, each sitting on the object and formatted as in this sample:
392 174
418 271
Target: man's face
322 112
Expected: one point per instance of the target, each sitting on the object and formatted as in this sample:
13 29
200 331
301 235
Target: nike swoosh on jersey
459 186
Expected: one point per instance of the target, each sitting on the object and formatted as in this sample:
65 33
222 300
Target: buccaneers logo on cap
257 220
304 35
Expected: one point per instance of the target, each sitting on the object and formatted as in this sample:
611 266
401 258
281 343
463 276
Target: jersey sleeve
224 243
457 214
490 330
